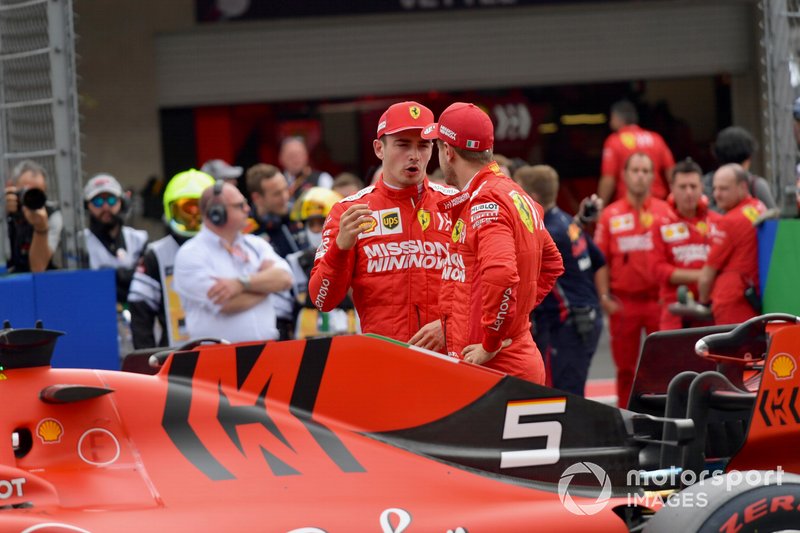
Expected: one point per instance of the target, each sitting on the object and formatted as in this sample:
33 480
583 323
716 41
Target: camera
589 209
33 199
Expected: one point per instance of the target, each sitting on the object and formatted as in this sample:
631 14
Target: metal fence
780 46
38 107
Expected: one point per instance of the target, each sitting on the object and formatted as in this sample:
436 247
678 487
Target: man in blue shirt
567 324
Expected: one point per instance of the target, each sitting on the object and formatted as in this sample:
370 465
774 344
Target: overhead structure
39 108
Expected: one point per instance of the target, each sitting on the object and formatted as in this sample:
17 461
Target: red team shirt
623 235
679 242
734 254
624 142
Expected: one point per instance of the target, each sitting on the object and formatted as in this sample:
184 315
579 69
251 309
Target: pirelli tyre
736 502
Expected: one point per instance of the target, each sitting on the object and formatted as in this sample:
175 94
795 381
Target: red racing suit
623 235
679 242
502 263
734 254
624 142
395 266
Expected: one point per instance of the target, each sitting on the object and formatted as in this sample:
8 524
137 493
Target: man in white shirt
225 279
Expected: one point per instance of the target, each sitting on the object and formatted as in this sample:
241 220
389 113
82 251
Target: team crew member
628 138
628 290
152 296
730 276
225 278
389 241
502 260
109 243
568 322
681 240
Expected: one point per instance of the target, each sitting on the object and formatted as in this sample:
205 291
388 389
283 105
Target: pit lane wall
81 303
779 265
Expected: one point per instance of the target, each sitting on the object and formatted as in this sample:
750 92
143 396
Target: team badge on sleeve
750 212
526 211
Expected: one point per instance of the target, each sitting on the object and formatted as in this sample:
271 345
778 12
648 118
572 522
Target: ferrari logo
628 140
494 167
702 227
646 219
458 230
424 218
414 110
524 211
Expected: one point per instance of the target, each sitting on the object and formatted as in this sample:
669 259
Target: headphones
217 213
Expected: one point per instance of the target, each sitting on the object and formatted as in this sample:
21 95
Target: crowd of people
474 260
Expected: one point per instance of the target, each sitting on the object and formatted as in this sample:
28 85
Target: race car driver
730 276
389 241
502 259
630 296
681 241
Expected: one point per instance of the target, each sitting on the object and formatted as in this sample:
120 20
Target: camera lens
33 198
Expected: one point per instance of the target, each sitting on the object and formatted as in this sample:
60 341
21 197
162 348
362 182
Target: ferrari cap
102 183
404 116
464 126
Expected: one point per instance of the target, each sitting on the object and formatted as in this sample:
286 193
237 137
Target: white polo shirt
204 258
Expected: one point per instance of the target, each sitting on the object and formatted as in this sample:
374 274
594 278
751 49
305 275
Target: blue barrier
81 303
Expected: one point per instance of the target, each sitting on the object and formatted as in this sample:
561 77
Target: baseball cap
102 183
404 116
221 170
464 126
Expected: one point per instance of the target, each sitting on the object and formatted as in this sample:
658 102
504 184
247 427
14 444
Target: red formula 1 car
357 433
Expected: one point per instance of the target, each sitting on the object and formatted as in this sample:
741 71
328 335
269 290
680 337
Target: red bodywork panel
774 433
276 437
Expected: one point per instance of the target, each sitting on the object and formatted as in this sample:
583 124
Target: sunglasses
98 201
239 205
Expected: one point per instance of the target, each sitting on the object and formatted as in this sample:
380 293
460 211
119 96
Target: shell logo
50 431
783 366
369 225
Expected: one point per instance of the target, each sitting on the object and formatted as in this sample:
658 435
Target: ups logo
390 220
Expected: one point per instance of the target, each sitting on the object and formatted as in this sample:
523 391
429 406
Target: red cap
464 126
404 116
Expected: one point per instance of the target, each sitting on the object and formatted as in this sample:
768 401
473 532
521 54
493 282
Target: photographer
34 225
